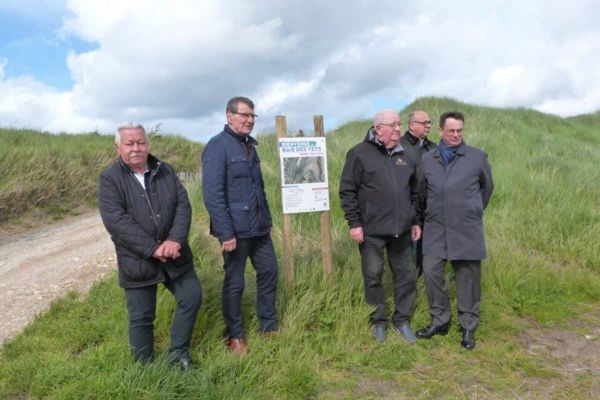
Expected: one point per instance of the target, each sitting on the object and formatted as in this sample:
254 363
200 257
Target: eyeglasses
422 122
245 115
393 124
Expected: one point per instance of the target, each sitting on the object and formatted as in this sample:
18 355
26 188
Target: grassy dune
45 175
542 275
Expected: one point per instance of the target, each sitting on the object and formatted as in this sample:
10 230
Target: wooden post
325 224
288 247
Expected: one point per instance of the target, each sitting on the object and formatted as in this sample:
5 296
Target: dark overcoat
456 196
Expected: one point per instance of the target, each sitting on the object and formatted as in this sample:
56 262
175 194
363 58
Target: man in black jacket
379 193
416 143
146 210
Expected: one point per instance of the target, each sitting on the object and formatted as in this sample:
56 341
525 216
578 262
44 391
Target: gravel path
41 265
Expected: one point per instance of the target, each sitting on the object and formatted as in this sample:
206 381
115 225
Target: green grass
543 270
46 175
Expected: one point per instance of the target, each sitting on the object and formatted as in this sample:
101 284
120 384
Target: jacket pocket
239 167
240 215
137 269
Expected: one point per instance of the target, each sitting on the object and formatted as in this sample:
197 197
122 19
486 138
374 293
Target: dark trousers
399 253
262 254
141 306
467 275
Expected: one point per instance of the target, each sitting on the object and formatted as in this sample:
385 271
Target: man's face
242 121
452 132
388 131
420 125
133 149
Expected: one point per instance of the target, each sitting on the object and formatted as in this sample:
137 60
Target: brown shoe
238 346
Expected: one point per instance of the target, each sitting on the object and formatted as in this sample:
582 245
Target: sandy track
38 266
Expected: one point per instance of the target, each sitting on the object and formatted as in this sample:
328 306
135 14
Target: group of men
146 210
400 192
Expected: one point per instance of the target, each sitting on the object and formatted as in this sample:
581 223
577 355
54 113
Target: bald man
416 143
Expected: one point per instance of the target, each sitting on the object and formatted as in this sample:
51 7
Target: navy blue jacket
233 187
139 220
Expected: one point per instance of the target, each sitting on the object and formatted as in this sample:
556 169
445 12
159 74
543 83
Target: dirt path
39 266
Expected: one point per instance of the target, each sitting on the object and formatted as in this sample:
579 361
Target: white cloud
178 62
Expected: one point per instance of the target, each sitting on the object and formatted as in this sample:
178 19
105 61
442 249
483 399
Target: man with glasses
379 193
458 182
235 198
416 143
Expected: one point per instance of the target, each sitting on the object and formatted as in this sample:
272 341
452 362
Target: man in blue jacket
458 182
146 210
240 219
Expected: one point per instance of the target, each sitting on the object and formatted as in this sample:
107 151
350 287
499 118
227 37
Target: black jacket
379 189
233 187
412 145
139 220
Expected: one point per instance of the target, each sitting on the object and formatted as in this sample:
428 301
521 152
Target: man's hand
167 249
229 245
415 232
357 234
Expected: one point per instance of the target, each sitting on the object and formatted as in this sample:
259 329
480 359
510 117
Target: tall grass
543 270
55 175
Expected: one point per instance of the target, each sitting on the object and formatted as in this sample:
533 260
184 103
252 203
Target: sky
85 65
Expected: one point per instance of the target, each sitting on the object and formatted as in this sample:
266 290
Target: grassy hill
539 332
46 175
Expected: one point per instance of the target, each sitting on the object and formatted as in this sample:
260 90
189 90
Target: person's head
387 128
451 128
131 143
419 124
240 115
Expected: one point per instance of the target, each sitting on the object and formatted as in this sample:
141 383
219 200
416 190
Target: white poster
304 186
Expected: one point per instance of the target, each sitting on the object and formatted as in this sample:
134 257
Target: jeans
399 253
141 306
262 254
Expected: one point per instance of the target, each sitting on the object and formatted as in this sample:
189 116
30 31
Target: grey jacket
455 199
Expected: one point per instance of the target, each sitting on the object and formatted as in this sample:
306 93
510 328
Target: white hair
380 116
129 126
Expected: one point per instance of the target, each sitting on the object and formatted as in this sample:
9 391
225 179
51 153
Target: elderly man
379 193
146 210
416 143
459 185
235 198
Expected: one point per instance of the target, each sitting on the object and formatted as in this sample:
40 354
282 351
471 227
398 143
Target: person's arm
214 182
349 186
121 226
486 182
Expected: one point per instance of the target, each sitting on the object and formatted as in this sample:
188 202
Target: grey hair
129 126
232 104
380 116
411 117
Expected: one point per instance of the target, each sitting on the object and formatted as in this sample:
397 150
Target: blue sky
83 65
29 44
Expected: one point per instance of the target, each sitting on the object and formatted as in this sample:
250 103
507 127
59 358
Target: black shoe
184 364
430 331
468 339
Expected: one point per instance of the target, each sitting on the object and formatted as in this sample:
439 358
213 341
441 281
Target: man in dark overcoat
458 184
